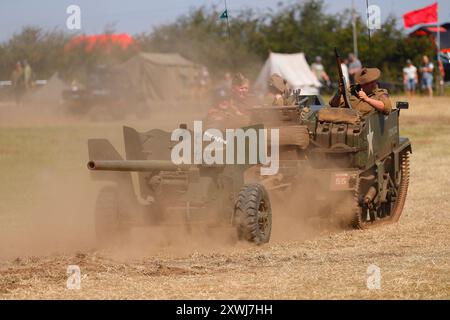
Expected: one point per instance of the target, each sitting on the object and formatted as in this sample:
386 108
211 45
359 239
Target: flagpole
233 64
438 45
228 23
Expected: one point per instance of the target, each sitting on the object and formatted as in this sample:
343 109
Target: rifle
342 87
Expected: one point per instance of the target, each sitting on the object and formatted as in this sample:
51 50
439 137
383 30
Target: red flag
425 15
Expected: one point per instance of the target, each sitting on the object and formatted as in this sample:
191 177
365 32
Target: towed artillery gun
169 193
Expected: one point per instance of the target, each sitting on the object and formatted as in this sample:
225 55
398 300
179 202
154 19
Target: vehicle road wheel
253 214
110 227
395 207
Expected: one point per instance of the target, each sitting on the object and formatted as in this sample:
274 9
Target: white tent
293 68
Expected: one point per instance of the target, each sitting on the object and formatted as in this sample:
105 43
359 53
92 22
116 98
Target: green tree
201 36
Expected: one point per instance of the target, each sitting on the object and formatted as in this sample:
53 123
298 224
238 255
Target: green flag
224 14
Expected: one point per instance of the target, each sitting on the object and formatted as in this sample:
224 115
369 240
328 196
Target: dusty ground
46 224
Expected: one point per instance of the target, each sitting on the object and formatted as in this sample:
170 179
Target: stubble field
47 224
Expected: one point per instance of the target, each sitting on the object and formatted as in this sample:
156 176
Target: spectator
28 75
319 71
410 78
354 66
18 83
427 75
345 72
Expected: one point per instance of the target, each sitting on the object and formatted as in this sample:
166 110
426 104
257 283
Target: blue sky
134 16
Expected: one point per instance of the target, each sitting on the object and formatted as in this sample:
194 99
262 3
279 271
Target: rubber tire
250 197
110 228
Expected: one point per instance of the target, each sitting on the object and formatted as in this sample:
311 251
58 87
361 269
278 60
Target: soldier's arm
381 102
377 104
384 97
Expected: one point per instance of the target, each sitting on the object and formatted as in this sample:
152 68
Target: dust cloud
54 210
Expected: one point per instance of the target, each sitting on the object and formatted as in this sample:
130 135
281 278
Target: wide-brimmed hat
277 83
367 75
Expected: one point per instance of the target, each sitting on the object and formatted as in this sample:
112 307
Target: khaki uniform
232 112
227 115
364 107
280 91
280 101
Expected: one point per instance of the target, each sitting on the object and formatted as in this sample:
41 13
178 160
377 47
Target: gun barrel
342 84
135 165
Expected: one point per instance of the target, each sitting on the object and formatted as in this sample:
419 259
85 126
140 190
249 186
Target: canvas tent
431 32
293 68
160 76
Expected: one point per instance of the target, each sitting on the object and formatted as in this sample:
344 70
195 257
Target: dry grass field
46 224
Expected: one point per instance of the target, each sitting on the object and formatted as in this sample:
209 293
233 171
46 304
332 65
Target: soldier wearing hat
279 91
366 96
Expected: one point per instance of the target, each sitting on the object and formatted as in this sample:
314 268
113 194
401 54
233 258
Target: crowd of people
411 78
352 65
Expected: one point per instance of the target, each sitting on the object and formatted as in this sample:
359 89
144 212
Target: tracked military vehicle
356 168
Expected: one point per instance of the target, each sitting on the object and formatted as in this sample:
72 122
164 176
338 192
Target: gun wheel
109 225
253 214
392 210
